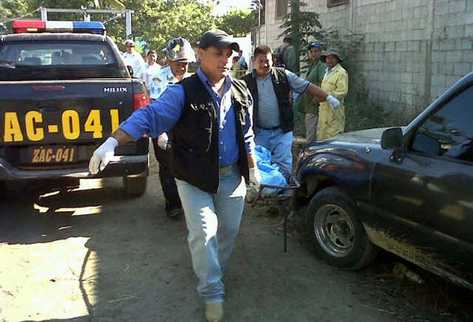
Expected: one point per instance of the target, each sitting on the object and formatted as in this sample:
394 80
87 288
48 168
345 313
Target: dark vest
283 94
195 135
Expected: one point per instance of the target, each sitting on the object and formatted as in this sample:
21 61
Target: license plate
68 125
61 154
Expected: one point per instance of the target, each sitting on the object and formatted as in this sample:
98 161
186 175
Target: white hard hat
179 49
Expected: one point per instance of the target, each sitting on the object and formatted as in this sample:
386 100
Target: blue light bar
90 27
94 27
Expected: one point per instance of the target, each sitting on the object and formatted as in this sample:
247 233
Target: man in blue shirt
209 115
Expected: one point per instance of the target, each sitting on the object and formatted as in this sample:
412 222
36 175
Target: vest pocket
195 134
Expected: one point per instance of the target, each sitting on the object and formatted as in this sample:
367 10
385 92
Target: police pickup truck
63 90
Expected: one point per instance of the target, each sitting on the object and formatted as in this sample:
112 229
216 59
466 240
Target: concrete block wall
452 42
412 50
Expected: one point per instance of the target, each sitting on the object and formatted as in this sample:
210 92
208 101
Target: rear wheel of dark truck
338 236
135 185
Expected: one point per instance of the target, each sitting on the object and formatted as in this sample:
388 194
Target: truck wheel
135 186
338 236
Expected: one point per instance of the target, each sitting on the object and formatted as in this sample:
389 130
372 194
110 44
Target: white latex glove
255 178
333 102
163 141
102 155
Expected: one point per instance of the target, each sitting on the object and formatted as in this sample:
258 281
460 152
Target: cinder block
440 21
394 96
462 69
468 16
447 69
379 47
456 31
469 30
406 98
467 56
401 45
455 6
389 46
465 43
407 78
439 80
413 45
441 7
448 44
456 19
438 57
454 56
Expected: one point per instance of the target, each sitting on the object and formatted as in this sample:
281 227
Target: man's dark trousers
168 184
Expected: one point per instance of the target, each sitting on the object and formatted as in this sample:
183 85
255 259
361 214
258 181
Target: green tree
10 9
154 21
238 22
158 21
301 27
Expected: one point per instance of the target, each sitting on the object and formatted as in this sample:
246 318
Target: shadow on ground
89 253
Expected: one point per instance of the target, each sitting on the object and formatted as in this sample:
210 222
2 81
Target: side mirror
392 138
130 70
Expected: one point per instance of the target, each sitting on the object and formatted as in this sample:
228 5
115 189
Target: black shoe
174 213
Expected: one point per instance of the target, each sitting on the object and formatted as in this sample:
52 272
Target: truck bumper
128 165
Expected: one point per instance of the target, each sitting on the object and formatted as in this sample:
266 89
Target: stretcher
283 200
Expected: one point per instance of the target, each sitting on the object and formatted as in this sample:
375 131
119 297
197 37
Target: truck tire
135 186
338 236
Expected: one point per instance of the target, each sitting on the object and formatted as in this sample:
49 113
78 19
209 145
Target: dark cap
315 44
218 38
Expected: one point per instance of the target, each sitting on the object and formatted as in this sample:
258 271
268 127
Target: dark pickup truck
406 190
61 95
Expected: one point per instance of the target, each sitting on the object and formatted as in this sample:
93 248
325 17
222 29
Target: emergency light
24 26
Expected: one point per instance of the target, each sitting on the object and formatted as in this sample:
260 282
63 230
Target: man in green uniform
307 104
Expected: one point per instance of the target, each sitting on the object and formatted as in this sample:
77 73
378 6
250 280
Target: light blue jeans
213 222
280 145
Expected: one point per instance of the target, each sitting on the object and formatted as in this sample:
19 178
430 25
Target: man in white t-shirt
133 58
152 68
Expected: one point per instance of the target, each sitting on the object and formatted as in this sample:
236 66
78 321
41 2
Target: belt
270 128
226 170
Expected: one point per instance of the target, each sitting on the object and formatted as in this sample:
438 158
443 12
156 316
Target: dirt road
91 254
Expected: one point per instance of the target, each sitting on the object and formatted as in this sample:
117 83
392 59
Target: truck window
50 60
449 131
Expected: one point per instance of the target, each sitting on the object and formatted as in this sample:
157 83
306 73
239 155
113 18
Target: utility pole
256 4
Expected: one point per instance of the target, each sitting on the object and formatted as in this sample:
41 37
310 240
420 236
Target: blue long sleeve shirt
162 114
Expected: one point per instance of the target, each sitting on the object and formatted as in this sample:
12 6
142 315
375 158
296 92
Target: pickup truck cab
406 190
63 90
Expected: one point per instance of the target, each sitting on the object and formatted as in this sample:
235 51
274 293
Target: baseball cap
315 44
130 43
218 38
